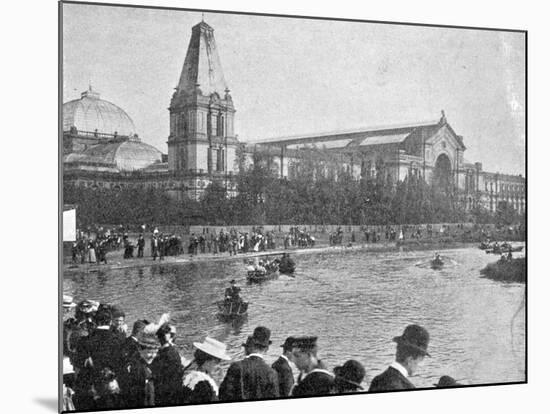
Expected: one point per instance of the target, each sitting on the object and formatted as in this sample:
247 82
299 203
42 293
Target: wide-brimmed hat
447 381
259 337
147 340
68 302
212 347
351 373
415 337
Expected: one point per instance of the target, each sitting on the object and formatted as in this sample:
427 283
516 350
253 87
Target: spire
202 68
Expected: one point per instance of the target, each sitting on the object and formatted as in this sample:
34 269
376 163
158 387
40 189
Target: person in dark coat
137 380
167 368
140 245
102 345
94 352
198 385
349 376
232 293
131 347
251 378
412 347
283 369
314 377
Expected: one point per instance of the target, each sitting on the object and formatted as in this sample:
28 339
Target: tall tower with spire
202 143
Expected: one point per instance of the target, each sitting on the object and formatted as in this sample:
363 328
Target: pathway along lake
354 301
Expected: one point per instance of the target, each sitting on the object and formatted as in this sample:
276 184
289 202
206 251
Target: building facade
102 149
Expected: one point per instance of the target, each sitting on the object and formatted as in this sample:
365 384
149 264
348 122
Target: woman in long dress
198 385
91 252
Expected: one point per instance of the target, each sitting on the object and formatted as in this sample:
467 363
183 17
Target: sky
291 76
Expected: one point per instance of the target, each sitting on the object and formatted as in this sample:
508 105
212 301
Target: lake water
354 301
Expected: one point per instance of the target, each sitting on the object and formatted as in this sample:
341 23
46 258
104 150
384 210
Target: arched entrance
443 173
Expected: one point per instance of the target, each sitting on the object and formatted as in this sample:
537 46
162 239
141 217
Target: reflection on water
354 301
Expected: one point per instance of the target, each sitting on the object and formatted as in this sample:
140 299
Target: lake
354 301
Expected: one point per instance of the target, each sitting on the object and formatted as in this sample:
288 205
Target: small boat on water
232 310
436 264
257 276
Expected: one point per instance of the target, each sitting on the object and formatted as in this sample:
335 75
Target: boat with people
262 271
437 263
232 310
232 306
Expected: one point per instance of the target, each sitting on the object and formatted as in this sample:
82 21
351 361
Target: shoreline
210 257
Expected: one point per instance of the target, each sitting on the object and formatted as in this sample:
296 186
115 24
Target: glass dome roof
89 113
124 155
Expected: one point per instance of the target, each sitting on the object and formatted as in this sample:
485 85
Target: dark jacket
129 349
249 379
317 382
286 378
103 346
390 379
136 383
167 376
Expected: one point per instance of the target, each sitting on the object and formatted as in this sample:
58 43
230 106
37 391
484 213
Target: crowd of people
105 368
231 241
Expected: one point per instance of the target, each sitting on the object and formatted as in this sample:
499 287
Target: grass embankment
506 270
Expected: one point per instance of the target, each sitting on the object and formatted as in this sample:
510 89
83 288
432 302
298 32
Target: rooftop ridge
358 130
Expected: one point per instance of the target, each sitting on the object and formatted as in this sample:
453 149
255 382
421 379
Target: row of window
515 188
180 124
119 186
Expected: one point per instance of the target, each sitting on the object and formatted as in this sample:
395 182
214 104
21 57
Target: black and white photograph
265 206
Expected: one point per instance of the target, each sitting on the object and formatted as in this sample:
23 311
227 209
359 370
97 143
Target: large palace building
102 149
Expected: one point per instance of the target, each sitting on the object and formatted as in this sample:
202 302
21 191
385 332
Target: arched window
221 126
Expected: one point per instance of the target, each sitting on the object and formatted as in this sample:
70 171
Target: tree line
309 197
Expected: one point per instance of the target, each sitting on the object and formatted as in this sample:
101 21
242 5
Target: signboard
69 225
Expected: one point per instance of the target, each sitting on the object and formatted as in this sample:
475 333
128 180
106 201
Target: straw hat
212 347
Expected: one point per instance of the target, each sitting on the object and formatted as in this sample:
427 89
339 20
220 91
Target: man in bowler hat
283 369
412 347
314 378
251 378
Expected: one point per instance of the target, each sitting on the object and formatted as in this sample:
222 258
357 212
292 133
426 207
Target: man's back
390 379
249 379
103 346
284 373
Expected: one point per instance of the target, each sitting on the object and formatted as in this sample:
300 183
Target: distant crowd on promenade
93 244
93 249
107 367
